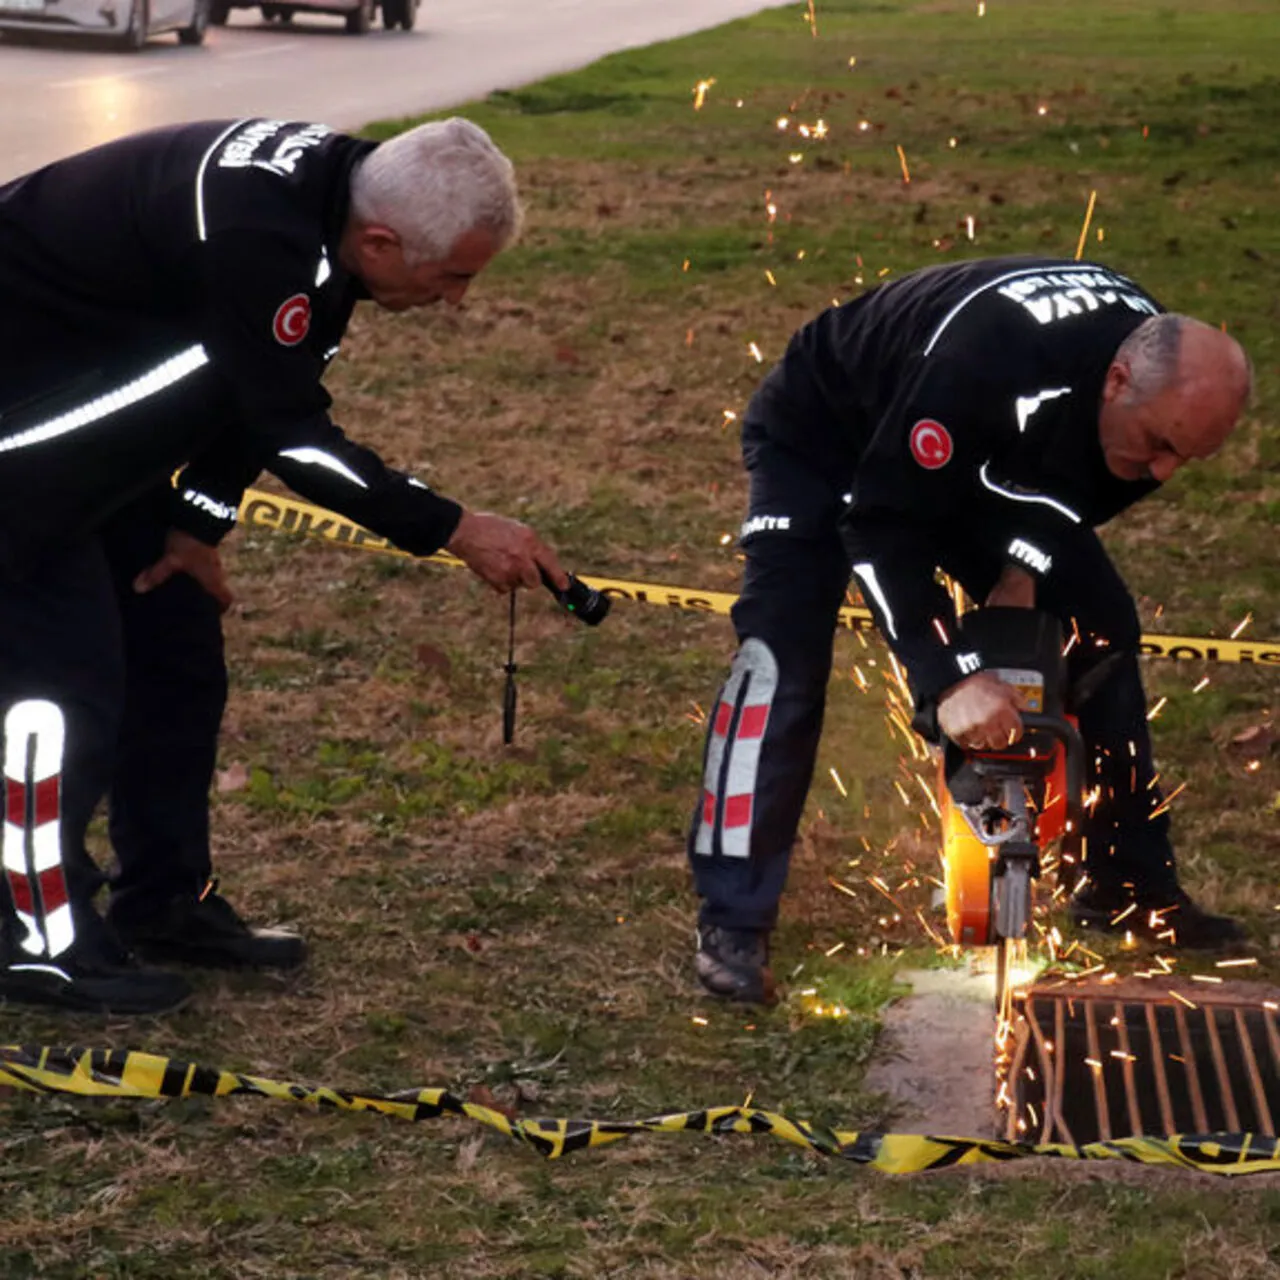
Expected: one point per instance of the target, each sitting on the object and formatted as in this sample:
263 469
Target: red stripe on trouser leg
20 888
737 811
708 807
724 713
47 800
752 721
15 802
53 889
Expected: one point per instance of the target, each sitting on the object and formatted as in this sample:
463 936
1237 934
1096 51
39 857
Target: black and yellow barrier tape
288 515
110 1073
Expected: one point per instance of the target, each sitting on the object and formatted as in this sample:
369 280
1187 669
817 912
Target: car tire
218 12
391 13
194 34
134 36
360 19
408 14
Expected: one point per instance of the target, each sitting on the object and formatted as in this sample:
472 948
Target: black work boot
734 964
95 974
1169 917
204 930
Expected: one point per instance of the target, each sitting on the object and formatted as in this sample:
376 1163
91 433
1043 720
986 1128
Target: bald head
1174 391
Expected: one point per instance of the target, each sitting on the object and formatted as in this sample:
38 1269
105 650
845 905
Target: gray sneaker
734 964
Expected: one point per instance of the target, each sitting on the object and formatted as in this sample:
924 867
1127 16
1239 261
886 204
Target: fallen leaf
482 1096
433 659
1254 741
468 1150
233 778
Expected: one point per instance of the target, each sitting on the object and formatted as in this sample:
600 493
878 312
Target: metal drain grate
1096 1063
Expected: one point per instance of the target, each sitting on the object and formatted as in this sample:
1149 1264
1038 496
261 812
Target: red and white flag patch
292 320
931 444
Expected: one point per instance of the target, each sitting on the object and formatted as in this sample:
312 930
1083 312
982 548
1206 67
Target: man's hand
185 554
1015 588
981 713
505 553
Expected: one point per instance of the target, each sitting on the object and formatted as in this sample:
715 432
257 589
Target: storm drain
1092 1064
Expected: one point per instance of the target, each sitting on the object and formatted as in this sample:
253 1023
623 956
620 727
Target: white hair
435 183
1153 351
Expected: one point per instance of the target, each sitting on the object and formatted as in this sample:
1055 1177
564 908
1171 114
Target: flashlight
585 603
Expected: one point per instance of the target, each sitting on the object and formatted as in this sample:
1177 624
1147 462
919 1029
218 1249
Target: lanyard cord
509 693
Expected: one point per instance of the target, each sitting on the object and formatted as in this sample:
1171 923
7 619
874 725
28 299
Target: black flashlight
585 603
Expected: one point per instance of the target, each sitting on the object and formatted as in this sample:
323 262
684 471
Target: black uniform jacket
959 404
174 298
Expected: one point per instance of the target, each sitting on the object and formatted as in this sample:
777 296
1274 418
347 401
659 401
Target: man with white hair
981 418
169 302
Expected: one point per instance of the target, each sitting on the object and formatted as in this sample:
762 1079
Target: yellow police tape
109 1073
288 515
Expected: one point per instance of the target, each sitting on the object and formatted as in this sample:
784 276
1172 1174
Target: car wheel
194 34
135 34
218 12
391 13
360 19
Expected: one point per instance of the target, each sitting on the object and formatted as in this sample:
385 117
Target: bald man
981 418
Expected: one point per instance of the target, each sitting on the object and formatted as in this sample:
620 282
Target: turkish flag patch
292 320
931 444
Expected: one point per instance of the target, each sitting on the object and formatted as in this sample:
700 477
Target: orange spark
1084 231
1163 806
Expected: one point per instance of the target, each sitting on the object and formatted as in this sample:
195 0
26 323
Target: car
358 14
127 24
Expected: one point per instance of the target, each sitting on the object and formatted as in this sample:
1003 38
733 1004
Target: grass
518 920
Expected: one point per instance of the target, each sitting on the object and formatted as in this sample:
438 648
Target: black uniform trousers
140 681
175 692
763 733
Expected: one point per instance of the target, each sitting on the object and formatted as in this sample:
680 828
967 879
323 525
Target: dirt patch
935 1060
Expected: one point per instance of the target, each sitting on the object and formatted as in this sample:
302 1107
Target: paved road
56 99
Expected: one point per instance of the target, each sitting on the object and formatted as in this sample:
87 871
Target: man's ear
374 242
1116 382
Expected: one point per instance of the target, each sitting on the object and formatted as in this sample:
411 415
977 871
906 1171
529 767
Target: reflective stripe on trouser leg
34 736
733 752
